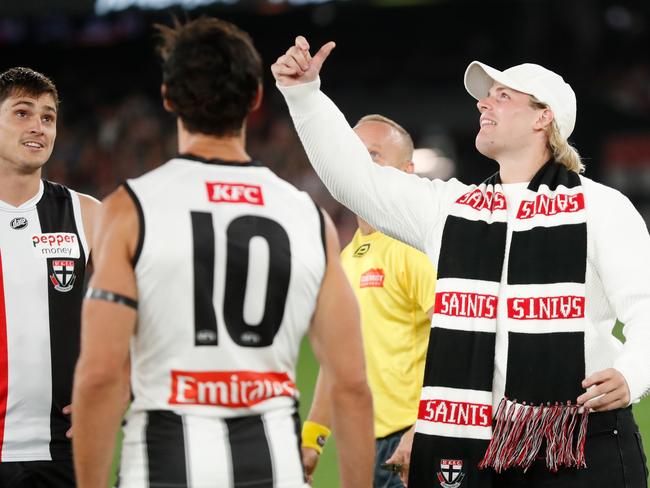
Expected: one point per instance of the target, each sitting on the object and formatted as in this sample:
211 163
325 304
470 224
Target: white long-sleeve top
414 210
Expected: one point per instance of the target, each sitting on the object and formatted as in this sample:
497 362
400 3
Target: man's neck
364 227
521 166
17 188
228 148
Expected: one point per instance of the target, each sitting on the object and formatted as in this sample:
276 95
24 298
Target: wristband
314 435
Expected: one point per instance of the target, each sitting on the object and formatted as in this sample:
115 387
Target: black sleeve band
109 296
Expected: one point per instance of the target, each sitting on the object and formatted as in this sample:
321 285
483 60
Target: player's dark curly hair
26 81
211 71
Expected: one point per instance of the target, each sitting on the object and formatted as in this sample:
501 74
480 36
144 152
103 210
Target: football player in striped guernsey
45 243
213 269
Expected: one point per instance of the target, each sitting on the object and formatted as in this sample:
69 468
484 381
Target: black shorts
613 453
37 474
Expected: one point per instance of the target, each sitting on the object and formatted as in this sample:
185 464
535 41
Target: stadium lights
106 6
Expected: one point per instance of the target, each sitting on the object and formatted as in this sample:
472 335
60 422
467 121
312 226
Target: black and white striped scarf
545 296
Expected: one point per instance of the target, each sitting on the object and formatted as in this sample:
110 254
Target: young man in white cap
524 384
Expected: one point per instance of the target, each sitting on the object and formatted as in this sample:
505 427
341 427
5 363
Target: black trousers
37 474
613 452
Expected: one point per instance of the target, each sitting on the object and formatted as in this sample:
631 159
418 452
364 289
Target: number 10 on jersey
239 234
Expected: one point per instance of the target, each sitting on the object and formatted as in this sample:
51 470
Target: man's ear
409 167
257 101
545 119
166 103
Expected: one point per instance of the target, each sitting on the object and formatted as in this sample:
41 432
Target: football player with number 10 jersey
213 269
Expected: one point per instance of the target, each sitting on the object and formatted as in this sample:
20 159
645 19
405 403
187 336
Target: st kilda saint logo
361 250
451 473
62 276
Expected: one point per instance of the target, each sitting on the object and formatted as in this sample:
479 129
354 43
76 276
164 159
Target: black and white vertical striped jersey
229 266
43 253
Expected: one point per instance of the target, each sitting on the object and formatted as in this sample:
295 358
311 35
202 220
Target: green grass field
327 474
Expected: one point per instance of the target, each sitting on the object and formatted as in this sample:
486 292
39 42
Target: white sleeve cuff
634 380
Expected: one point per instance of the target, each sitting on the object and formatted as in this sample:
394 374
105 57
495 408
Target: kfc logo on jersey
373 278
462 304
546 308
457 413
56 245
545 205
480 201
63 275
230 389
221 192
451 473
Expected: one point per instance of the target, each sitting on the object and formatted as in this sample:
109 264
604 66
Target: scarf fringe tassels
521 429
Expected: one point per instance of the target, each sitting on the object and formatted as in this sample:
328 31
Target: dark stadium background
404 59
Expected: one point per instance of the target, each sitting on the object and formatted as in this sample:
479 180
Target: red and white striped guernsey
43 254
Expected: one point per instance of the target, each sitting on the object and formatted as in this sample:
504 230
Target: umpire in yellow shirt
395 286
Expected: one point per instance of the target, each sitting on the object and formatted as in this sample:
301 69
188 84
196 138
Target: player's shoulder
294 201
599 189
413 259
154 178
52 189
119 202
88 202
90 208
397 246
286 188
603 199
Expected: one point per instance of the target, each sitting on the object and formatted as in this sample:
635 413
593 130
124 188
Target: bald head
387 142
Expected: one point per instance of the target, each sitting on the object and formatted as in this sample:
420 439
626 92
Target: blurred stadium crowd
404 60
125 139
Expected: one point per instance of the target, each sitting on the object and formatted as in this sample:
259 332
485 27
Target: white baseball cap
532 79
